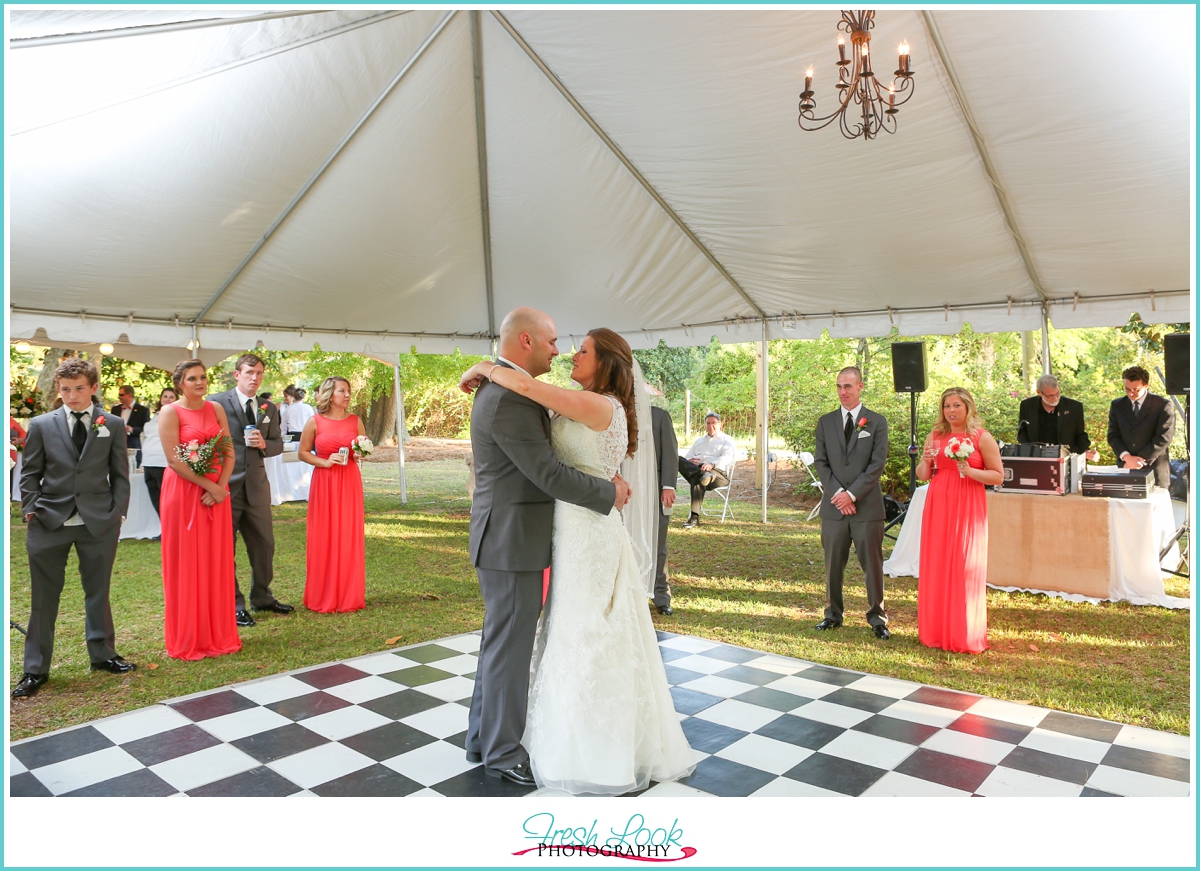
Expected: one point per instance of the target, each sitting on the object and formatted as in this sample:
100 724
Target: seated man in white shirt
707 464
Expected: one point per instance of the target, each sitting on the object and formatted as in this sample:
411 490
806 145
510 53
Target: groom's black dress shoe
829 623
519 774
29 685
665 610
116 665
277 607
244 618
474 758
882 632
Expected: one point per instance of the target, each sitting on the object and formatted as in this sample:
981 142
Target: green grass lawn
741 582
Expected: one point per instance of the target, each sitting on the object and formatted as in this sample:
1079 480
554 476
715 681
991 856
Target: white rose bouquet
959 449
362 446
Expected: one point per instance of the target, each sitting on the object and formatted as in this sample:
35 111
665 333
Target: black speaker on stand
908 376
1177 360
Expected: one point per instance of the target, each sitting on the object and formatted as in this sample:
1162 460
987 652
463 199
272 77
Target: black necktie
1136 405
79 433
849 428
250 413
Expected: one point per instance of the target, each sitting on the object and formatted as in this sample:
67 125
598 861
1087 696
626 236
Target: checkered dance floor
393 724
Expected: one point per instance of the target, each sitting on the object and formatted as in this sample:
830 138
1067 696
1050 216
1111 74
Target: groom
852 449
517 479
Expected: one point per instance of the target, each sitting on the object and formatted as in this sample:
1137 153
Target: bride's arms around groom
583 406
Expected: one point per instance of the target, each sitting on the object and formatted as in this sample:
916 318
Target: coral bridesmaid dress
197 557
337 574
952 586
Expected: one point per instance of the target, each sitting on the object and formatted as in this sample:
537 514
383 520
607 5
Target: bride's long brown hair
614 375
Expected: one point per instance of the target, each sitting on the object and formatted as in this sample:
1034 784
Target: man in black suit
666 454
74 493
135 415
851 451
249 489
1052 419
1141 426
517 479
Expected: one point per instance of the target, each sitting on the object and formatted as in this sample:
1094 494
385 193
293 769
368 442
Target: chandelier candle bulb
841 48
808 79
891 97
904 57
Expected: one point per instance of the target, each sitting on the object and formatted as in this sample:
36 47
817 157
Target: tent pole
1045 340
481 143
172 27
764 417
400 433
316 176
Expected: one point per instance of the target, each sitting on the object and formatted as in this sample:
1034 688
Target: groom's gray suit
517 479
856 469
59 482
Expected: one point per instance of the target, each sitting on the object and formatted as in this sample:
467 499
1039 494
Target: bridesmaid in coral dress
952 586
197 526
337 575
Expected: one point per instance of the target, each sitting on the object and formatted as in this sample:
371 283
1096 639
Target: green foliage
434 406
1150 336
668 369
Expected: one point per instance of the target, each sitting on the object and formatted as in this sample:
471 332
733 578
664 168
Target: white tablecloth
289 478
1138 530
142 520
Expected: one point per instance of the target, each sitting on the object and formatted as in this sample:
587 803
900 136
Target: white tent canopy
373 180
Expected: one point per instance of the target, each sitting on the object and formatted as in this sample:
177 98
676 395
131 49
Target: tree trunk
380 423
45 382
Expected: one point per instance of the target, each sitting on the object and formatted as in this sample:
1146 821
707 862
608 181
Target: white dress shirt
719 450
854 414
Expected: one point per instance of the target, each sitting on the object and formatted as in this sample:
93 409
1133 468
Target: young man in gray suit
517 479
666 454
74 492
249 489
852 448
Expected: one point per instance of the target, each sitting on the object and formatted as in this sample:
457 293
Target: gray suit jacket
517 479
57 479
666 449
249 473
856 470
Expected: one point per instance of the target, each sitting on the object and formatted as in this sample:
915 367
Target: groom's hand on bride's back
623 492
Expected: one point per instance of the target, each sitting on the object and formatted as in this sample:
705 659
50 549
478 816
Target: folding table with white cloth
288 476
1083 549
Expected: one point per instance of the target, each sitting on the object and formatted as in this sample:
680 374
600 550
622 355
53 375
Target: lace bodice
596 453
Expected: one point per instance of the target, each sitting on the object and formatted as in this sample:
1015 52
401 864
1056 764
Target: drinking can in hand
344 453
246 433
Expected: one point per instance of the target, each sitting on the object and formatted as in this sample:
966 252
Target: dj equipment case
1121 484
1050 476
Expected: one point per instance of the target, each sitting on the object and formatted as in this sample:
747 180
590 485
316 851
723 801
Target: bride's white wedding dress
601 720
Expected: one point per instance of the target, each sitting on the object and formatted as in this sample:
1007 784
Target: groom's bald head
528 337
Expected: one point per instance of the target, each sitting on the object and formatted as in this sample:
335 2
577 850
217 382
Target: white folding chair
723 493
807 460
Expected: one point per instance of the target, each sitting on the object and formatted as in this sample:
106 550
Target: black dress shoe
244 618
665 610
882 632
474 758
277 607
692 521
519 774
116 665
829 623
29 685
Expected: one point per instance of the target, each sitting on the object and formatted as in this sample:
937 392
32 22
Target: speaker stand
913 451
1185 556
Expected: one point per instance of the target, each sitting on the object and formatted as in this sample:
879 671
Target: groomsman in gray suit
249 489
74 493
666 454
852 448
517 479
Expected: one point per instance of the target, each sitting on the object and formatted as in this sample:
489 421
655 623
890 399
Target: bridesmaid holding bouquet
333 440
197 524
961 457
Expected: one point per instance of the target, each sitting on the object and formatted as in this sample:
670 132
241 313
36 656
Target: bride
601 719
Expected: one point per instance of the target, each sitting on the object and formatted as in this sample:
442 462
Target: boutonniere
98 423
862 424
262 410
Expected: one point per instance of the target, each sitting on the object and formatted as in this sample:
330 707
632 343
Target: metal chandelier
865 106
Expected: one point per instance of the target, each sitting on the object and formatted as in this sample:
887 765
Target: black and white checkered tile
393 724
